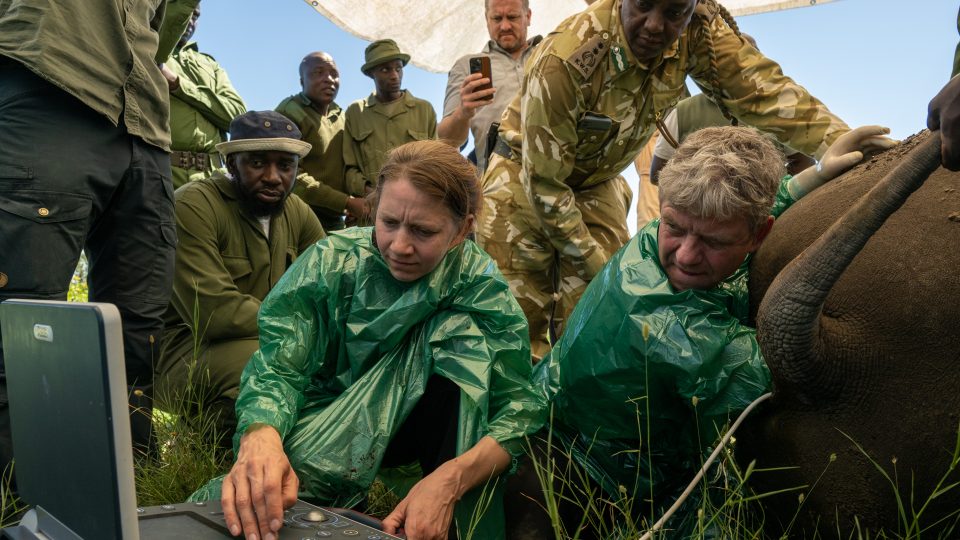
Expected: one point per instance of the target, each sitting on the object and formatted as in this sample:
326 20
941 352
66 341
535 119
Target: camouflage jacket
587 106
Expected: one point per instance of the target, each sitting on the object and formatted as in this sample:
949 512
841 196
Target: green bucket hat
380 51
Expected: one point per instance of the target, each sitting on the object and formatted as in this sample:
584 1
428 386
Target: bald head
319 79
313 58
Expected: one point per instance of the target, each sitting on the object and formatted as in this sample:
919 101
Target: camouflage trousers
545 283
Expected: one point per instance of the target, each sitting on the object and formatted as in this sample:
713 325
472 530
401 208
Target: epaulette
293 113
589 56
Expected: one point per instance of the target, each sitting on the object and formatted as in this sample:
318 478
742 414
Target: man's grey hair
486 5
723 173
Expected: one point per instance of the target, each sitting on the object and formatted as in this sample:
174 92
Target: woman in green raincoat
389 344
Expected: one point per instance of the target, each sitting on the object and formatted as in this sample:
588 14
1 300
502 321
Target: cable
696 479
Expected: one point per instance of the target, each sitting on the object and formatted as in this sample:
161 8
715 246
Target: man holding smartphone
471 103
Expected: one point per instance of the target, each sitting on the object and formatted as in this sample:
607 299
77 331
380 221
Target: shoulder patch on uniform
589 56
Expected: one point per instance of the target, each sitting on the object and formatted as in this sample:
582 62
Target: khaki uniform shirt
587 106
322 183
225 263
507 74
373 128
103 53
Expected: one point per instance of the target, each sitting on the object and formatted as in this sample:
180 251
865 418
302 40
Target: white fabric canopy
437 32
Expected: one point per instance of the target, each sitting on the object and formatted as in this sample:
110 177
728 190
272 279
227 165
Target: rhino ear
788 321
762 233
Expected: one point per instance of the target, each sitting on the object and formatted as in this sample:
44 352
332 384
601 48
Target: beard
254 206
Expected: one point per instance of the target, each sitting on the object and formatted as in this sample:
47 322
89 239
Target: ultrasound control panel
204 521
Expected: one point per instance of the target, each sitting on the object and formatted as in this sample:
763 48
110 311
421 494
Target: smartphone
481 64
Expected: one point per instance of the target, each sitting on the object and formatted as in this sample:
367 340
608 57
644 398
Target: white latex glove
843 154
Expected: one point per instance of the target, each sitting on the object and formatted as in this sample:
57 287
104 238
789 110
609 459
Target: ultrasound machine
71 435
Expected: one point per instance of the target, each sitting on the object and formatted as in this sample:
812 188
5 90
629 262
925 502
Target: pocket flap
418 135
46 206
362 134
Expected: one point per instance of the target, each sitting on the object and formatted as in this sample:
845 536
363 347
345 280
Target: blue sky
870 61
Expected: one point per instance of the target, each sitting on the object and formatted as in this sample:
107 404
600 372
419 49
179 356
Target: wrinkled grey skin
862 336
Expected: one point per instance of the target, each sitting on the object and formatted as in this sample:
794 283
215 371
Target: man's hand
472 99
357 209
173 80
844 153
427 511
259 487
944 114
455 127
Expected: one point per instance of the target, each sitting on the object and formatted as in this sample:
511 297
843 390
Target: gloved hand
843 154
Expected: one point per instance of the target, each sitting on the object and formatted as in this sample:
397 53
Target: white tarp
437 32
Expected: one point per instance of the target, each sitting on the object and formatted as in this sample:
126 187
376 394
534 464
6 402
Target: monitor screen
69 415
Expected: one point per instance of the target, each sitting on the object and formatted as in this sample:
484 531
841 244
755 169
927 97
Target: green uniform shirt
374 128
103 53
225 263
201 109
587 106
322 183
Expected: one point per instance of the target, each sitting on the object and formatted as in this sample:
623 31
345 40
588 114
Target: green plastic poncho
346 351
644 377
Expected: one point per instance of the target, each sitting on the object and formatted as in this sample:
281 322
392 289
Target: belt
198 161
502 148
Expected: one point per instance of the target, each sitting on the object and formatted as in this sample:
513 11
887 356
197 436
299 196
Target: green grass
728 506
11 507
187 459
78 290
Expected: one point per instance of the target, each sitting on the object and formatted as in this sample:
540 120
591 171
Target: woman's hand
427 511
260 485
844 153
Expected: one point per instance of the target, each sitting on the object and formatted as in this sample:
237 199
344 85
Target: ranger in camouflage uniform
591 96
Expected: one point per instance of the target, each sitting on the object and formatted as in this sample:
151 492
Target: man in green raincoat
658 353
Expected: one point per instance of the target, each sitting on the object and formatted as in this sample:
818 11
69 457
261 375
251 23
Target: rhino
857 297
